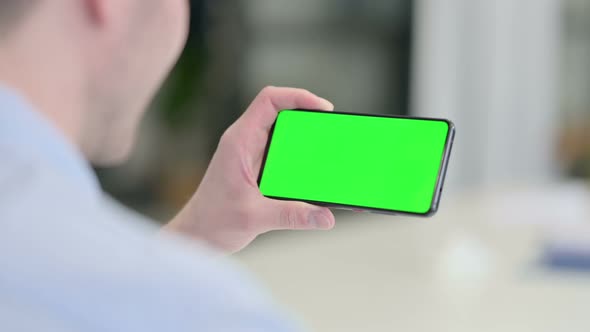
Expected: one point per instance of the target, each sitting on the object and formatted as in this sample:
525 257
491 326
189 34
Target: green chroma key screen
341 159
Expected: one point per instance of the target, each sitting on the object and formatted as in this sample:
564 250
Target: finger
292 215
263 110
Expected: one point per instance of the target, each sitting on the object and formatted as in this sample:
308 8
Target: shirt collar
28 133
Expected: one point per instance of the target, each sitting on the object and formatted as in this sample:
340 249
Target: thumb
292 215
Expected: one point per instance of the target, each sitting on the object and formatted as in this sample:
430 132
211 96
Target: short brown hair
12 11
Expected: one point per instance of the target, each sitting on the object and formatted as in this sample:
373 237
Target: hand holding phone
228 211
382 164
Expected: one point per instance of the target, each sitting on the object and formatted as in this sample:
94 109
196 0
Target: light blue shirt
73 260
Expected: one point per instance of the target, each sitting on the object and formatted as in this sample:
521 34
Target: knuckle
289 218
267 90
305 92
306 96
227 138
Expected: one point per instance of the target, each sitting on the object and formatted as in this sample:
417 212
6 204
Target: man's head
92 66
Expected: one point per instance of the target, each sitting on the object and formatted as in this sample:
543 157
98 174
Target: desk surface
463 270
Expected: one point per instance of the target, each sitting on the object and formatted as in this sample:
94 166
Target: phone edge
439 184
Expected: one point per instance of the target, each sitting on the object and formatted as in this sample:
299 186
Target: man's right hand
228 211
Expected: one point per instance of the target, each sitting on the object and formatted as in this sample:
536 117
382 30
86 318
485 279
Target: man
75 78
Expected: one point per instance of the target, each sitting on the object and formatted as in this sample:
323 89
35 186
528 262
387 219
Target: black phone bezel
439 183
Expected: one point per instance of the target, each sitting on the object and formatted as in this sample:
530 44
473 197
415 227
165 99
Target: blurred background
510 247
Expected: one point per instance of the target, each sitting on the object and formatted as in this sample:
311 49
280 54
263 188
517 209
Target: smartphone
374 163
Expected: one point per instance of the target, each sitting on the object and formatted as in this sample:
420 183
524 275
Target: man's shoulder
40 208
97 262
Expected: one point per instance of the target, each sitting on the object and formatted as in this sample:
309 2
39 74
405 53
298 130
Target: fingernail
326 104
319 220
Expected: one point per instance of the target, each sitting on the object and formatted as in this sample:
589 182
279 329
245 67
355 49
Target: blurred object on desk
568 247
